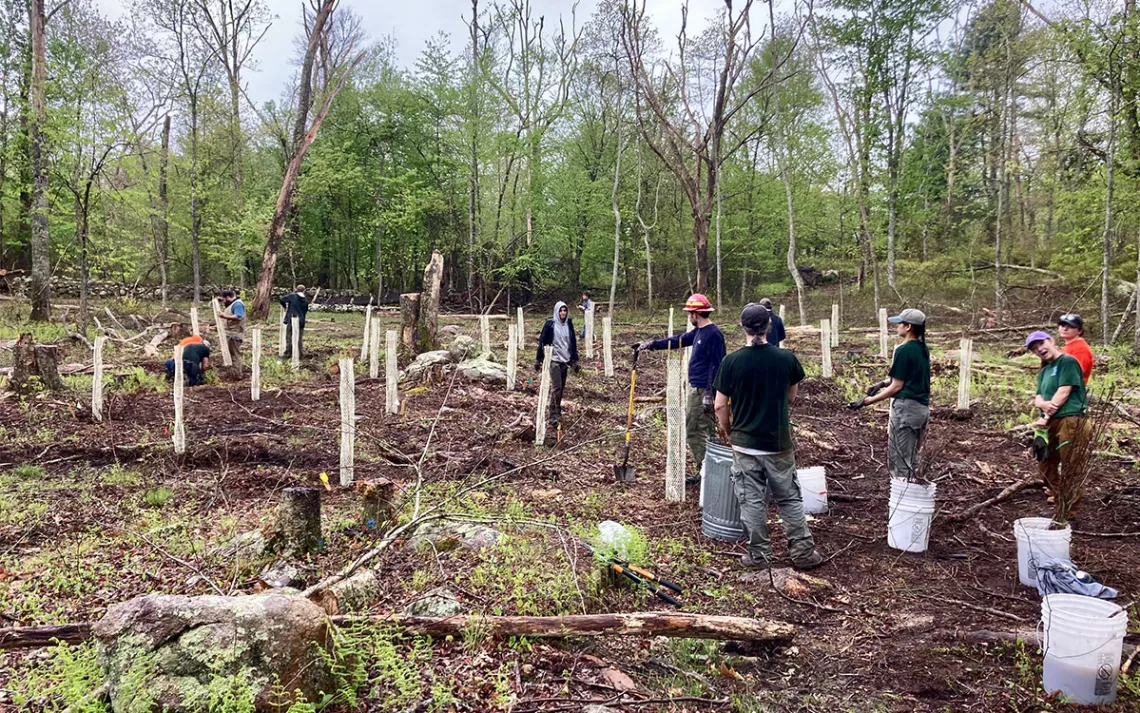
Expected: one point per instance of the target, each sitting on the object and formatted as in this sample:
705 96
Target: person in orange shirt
1072 330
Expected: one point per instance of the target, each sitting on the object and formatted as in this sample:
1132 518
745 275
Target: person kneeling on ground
758 382
1062 398
909 384
195 361
558 333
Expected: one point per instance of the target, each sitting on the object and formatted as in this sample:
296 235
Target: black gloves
576 367
876 387
856 405
538 366
640 346
708 403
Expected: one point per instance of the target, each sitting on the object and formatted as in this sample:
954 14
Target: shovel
625 473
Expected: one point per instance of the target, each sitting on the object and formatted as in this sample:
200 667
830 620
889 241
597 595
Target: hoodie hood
558 306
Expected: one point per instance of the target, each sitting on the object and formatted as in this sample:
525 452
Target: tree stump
377 502
297 528
35 363
429 304
409 319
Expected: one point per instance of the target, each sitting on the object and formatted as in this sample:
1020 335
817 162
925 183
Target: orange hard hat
697 303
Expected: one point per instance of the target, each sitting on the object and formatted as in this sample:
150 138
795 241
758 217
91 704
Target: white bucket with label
910 510
813 489
1083 639
1036 543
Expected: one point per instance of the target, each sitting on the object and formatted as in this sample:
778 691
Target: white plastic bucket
1082 640
813 489
910 510
1035 543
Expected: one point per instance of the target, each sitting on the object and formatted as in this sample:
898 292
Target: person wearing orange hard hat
707 342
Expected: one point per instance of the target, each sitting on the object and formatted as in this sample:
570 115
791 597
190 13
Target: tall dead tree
41 247
690 143
302 140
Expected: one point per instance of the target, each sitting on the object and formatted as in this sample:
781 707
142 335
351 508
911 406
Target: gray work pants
905 431
558 371
699 426
753 479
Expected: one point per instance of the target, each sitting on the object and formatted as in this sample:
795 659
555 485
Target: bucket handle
1040 632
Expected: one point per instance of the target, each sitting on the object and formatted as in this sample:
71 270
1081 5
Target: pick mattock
625 473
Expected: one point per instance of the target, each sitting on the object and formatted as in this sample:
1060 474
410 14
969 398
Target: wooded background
910 142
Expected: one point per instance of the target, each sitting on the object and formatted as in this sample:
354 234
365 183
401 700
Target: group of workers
196 350
744 397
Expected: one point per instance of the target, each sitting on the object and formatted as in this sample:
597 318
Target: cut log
688 626
678 625
297 525
356 593
409 318
151 347
34 637
429 304
377 502
35 365
1030 482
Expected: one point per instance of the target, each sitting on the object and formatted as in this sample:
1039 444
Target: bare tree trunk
719 263
614 205
429 303
796 277
195 222
473 178
1106 244
163 232
1136 338
84 269
41 246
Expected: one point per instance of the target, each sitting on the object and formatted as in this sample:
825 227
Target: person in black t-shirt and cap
776 333
909 383
296 305
195 361
758 383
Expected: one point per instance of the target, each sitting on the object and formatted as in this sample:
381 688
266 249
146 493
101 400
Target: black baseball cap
755 318
1072 319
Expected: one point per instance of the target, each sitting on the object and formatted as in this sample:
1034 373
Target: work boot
809 561
692 480
750 562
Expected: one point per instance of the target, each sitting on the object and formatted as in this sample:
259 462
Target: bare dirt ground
84 530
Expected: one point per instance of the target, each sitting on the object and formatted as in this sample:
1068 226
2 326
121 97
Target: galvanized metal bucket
720 519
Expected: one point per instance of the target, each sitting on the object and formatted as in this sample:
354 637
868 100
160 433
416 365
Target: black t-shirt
195 352
756 380
912 367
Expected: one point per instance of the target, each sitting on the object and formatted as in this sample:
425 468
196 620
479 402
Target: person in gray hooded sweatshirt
558 332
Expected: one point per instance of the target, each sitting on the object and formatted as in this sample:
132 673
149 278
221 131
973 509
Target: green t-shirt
757 379
912 367
1064 371
195 352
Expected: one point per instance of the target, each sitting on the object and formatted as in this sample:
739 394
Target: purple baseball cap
1038 336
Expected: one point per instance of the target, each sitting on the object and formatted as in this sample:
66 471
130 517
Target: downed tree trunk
677 624
33 362
682 625
356 593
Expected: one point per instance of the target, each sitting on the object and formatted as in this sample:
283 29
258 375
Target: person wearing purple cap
908 383
1062 399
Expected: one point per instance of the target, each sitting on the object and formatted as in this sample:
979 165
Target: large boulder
164 652
437 602
446 535
484 371
423 362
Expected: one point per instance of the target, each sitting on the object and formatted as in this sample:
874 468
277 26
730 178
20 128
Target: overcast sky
412 23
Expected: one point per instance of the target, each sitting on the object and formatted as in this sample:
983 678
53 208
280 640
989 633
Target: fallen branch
689 626
975 607
1030 482
35 637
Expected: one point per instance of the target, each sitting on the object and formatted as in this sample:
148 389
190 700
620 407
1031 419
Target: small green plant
65 679
118 475
157 497
27 470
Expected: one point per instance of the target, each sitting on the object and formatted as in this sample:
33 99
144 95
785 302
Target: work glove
538 366
642 346
875 387
576 367
708 403
856 405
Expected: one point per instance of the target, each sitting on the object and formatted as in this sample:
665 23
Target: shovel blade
625 473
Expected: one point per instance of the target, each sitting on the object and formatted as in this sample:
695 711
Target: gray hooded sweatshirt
561 343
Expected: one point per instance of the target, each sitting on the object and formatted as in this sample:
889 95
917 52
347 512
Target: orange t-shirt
1079 349
197 339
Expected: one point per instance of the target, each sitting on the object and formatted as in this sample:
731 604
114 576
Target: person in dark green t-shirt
1062 398
756 384
908 383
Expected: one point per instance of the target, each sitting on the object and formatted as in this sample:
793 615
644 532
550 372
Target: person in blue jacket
558 333
707 342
